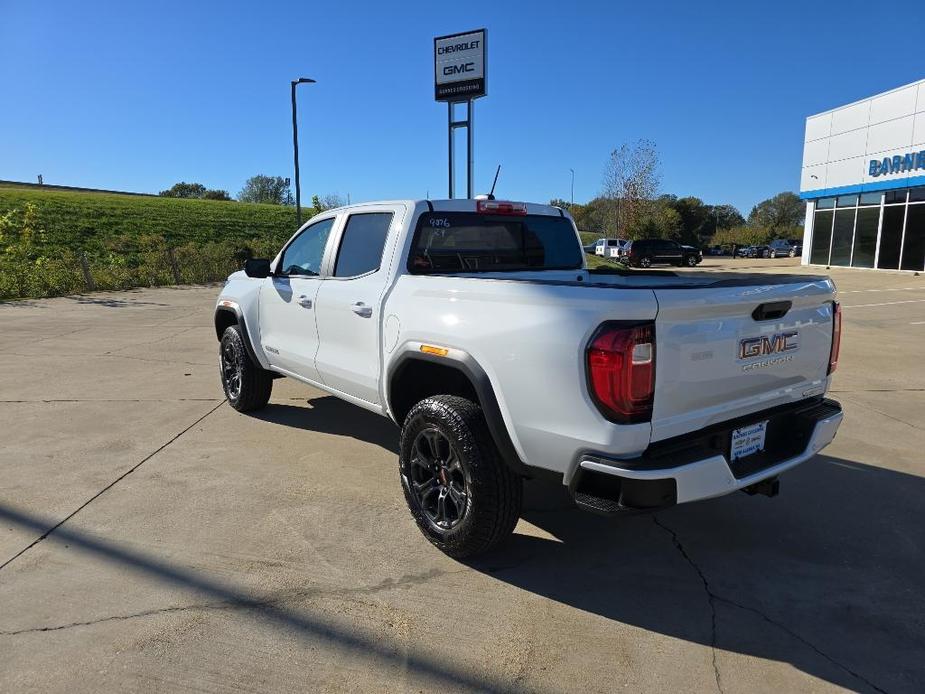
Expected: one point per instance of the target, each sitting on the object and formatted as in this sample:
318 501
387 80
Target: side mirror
257 267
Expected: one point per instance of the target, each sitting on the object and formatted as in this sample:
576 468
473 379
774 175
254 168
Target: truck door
349 301
288 330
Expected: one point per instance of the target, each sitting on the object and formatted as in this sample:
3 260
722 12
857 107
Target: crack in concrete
711 598
106 489
714 598
274 601
883 414
151 342
787 630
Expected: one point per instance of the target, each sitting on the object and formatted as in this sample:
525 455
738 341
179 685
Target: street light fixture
295 149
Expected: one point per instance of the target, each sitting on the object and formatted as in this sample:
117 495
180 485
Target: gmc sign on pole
459 66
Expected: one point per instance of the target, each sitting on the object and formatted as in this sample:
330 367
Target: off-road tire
494 492
254 384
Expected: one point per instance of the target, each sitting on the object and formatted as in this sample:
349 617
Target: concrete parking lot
151 538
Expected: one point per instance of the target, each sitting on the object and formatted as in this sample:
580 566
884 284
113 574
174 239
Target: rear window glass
470 242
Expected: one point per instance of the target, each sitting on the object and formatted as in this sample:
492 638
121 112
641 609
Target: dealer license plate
748 440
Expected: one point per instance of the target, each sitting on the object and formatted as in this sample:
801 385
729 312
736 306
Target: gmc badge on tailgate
769 345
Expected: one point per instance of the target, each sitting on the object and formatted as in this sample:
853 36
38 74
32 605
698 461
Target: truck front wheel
247 386
462 495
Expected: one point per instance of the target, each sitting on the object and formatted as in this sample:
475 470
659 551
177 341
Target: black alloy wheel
232 370
438 480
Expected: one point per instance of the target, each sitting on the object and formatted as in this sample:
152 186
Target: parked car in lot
604 245
758 251
620 250
649 252
591 247
785 247
460 320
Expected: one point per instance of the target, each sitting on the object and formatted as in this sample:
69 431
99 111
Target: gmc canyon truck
477 328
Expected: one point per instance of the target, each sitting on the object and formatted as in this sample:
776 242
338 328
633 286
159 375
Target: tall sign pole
459 77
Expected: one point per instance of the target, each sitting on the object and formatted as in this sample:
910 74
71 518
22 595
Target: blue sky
136 96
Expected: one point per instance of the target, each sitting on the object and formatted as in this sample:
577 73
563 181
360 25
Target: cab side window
304 255
362 243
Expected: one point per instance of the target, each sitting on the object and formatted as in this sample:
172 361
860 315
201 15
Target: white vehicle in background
620 250
604 246
478 329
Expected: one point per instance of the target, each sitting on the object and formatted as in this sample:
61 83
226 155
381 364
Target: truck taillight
836 336
621 371
500 207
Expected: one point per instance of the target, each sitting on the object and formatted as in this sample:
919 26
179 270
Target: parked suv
648 252
788 247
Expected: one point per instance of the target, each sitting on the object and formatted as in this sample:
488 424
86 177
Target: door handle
362 309
304 301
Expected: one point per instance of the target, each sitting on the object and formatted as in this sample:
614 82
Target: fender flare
469 367
235 310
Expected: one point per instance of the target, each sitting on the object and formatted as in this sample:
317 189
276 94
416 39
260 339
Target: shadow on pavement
827 577
225 595
329 415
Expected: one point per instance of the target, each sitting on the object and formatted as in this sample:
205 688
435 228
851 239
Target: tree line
267 190
630 206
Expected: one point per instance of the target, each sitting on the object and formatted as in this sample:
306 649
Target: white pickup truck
476 327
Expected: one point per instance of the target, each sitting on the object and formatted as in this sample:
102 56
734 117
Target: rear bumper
680 472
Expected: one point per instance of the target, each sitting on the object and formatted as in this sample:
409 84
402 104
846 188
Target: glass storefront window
842 237
865 237
914 245
846 230
891 236
847 201
822 235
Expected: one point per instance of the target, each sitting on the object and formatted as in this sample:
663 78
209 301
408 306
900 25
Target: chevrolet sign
459 66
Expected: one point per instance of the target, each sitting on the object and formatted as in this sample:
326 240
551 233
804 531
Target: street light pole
573 186
295 149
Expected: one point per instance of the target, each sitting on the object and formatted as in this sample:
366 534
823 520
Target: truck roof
458 205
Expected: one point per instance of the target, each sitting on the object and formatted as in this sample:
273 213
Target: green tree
184 190
320 203
657 219
272 190
631 179
782 212
741 236
195 191
726 217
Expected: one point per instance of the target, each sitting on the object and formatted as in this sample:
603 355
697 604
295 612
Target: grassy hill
69 241
87 221
63 241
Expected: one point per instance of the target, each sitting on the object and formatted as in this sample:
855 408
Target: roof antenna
491 194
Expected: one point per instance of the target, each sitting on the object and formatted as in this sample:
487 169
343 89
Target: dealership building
863 181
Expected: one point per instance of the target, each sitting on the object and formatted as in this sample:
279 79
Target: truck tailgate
723 352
